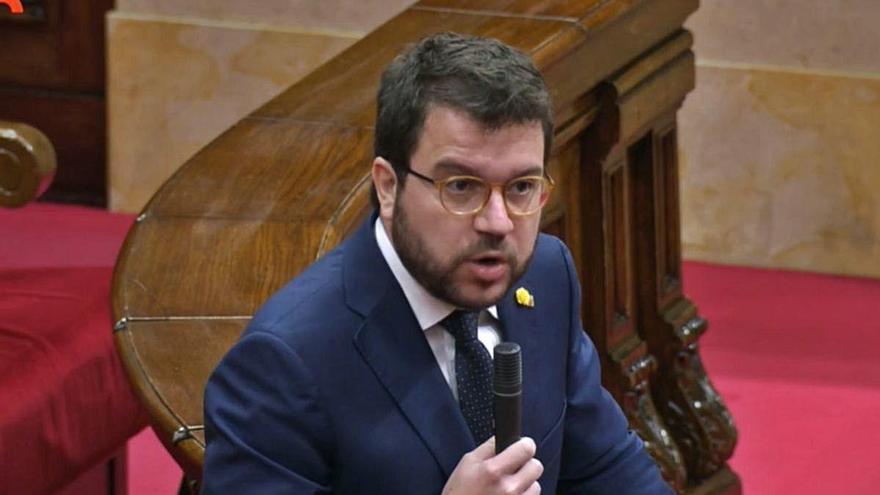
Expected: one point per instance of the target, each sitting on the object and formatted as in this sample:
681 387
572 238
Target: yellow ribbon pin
524 298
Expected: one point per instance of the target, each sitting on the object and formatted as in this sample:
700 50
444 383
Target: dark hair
493 83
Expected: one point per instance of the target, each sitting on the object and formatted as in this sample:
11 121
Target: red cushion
65 402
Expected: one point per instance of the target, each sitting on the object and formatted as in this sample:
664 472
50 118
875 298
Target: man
368 374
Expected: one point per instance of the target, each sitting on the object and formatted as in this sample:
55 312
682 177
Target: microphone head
508 368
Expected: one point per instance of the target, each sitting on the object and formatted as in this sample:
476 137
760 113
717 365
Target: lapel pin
524 298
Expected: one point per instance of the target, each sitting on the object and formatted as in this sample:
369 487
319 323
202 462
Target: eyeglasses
467 195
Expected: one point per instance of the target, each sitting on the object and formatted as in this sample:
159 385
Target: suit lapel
521 326
394 346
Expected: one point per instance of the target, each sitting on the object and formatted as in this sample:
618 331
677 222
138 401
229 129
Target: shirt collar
428 309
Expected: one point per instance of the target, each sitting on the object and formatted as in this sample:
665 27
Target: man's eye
460 186
522 186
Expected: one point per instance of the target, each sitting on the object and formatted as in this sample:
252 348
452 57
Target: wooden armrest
27 163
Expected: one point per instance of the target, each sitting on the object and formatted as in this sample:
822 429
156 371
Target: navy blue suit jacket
333 388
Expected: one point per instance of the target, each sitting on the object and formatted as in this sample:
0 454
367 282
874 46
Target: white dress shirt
430 311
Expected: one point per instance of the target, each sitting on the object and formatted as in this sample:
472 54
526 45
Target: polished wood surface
288 182
27 163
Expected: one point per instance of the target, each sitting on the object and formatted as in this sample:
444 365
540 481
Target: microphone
507 390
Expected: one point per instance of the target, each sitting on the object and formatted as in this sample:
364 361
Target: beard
438 276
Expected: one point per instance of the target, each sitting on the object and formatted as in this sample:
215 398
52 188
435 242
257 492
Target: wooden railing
288 182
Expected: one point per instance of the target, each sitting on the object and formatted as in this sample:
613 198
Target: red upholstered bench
66 405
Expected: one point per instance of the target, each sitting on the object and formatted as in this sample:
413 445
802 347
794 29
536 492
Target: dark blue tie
473 374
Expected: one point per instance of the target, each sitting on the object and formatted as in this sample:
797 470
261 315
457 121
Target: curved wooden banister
289 181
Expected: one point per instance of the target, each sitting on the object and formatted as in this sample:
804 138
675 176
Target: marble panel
173 86
356 15
780 169
842 35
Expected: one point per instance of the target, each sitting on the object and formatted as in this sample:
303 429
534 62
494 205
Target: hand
515 471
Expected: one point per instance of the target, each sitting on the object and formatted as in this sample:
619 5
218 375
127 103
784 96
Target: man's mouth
490 267
489 260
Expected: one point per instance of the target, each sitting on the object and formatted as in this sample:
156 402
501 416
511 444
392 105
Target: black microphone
507 389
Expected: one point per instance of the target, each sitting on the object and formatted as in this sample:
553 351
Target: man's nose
494 218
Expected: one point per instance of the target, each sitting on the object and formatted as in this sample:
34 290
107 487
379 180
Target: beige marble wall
352 15
180 73
779 142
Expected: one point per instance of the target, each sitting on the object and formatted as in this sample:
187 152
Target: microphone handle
508 420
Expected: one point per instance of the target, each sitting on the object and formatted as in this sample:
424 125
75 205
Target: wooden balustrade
289 181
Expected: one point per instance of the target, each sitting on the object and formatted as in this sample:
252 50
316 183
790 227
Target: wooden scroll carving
288 182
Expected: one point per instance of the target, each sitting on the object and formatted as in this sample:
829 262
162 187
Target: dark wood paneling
694 411
52 72
75 124
34 13
66 51
612 317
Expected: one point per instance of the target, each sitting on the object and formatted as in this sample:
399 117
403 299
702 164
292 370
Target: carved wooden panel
668 214
697 417
611 315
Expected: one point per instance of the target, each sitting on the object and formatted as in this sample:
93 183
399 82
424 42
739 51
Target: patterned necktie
473 374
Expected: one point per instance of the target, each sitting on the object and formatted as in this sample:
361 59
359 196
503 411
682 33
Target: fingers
535 489
520 468
514 471
485 450
526 479
513 457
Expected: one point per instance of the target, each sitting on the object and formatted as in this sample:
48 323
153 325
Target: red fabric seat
65 402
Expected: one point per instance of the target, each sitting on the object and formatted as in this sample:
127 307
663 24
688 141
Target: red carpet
151 471
793 354
795 357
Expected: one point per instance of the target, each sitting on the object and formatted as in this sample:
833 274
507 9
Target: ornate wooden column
619 214
638 184
694 411
592 214
610 302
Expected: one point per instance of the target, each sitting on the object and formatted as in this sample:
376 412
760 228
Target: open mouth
489 268
489 260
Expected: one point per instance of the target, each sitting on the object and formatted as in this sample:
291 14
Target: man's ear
385 182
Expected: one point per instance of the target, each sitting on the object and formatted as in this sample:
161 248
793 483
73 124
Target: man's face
470 260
